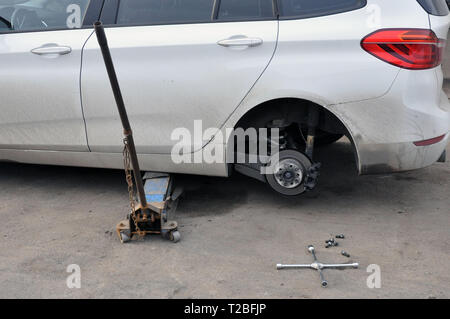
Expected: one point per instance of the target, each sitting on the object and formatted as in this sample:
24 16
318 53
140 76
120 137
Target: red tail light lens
431 141
415 49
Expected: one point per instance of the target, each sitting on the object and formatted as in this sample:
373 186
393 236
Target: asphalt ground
234 233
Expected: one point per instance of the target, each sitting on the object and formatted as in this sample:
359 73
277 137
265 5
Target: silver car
192 70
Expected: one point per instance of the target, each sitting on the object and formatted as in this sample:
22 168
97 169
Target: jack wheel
288 172
175 236
124 237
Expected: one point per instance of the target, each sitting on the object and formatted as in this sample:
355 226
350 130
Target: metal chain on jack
129 180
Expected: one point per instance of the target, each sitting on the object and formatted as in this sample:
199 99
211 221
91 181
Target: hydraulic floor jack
161 198
149 216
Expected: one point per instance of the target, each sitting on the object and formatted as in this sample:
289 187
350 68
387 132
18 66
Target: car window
312 8
435 7
249 9
41 15
164 11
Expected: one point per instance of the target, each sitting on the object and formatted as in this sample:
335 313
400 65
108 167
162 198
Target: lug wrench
317 266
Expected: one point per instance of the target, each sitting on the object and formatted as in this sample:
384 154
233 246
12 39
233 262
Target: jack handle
128 133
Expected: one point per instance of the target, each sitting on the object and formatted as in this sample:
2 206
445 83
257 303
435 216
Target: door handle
240 41
52 49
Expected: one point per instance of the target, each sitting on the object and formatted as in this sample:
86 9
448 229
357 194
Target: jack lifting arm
128 133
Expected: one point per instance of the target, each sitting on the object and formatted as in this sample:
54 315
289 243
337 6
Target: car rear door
177 61
40 61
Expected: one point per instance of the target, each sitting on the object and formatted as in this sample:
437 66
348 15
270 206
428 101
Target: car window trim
184 23
94 6
46 30
215 13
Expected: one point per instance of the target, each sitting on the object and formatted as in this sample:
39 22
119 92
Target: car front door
40 61
177 61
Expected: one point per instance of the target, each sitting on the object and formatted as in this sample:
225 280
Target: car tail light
431 141
415 49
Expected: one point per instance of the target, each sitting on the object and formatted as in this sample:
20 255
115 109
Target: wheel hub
289 173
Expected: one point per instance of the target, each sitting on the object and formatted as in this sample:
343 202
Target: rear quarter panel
320 59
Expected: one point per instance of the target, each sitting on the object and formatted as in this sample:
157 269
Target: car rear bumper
384 130
398 157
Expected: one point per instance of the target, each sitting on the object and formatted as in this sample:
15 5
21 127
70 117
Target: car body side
320 60
385 109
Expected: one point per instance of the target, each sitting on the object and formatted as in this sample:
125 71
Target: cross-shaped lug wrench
317 266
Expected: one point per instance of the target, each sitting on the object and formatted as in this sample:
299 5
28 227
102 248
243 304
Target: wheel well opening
295 112
292 110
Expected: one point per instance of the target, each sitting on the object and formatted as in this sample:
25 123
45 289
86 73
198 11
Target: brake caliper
312 176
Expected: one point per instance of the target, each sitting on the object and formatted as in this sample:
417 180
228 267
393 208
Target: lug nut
331 243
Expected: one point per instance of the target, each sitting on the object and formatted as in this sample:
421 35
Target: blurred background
447 70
